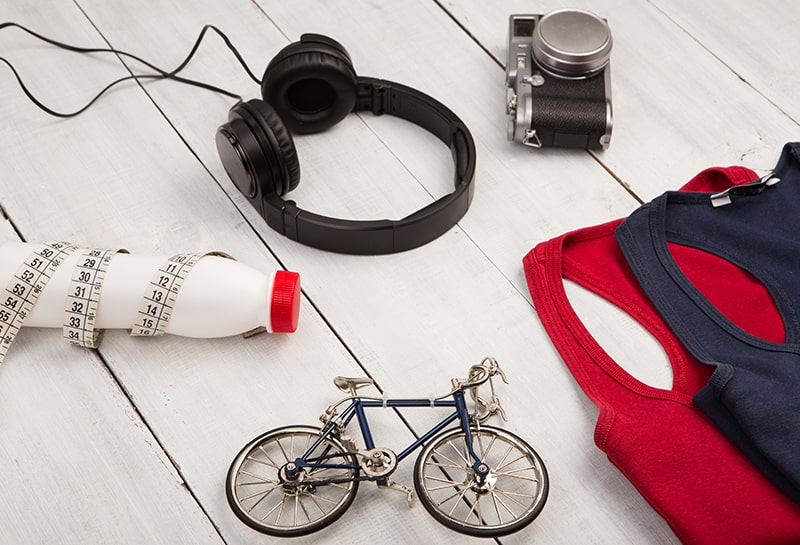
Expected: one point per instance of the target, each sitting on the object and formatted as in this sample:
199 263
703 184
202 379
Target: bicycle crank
378 462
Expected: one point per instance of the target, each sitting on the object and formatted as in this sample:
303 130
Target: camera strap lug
532 139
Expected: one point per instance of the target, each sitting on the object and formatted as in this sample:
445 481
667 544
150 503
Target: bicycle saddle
350 385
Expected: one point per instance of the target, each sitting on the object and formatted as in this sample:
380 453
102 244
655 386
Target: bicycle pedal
391 485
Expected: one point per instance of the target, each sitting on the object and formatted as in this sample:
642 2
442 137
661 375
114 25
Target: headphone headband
368 237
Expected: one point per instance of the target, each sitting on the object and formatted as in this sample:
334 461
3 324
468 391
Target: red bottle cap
285 303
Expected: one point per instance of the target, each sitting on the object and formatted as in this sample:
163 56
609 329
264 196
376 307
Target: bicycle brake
495 407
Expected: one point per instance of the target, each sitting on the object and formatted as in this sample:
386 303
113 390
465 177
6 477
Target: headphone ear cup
257 151
311 83
275 140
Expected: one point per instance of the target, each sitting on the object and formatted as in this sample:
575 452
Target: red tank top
706 490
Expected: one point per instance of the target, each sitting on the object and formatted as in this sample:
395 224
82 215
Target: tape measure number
162 291
28 282
83 296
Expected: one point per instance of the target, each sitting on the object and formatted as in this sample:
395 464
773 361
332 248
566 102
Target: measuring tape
25 286
84 292
162 291
83 296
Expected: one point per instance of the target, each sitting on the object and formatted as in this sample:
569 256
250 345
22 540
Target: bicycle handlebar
478 374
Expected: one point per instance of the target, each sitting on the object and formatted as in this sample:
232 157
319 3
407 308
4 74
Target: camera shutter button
572 43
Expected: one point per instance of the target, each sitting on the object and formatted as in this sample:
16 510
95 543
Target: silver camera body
558 82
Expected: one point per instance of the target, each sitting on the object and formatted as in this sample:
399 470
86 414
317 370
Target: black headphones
309 86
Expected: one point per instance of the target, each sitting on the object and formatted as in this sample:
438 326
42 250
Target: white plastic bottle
218 297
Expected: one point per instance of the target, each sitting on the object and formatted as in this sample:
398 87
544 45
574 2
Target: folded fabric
753 395
698 480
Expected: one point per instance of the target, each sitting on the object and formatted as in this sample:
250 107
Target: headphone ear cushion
311 84
275 141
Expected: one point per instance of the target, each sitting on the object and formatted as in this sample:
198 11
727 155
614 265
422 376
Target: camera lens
572 43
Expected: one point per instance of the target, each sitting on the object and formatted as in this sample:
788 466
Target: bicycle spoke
447 466
442 455
500 500
445 479
450 484
513 475
279 507
456 492
497 508
253 475
316 498
478 510
264 451
263 493
259 483
268 463
305 511
502 465
485 451
460 498
510 496
473 508
283 451
457 451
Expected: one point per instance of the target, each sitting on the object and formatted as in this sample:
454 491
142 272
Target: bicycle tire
511 497
261 500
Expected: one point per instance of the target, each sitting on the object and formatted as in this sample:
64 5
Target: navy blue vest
754 394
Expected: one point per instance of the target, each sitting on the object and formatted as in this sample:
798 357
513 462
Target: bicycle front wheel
508 498
271 504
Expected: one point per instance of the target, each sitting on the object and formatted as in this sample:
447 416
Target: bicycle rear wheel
511 495
279 507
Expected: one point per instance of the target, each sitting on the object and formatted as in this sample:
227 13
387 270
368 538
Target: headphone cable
161 73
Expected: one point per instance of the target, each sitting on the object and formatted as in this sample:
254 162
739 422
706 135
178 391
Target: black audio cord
161 74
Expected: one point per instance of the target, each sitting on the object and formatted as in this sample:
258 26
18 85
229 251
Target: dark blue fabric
754 394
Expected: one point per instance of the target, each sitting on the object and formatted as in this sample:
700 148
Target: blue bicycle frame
356 409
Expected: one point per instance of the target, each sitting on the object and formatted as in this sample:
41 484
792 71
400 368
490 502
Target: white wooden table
131 443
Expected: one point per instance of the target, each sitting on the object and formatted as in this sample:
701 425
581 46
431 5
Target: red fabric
706 490
733 291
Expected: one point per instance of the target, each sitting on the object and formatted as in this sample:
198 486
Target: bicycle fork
480 468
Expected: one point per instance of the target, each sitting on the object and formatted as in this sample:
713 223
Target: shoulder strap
715 179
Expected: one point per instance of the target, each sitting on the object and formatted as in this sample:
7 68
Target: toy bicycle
475 479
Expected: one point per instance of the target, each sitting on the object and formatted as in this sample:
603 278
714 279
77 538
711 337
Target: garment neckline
656 220
554 276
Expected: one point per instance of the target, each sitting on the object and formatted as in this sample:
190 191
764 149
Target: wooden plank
757 42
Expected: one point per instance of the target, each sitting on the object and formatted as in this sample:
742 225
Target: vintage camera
558 83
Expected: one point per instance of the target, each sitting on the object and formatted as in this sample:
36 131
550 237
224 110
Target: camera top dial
572 43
